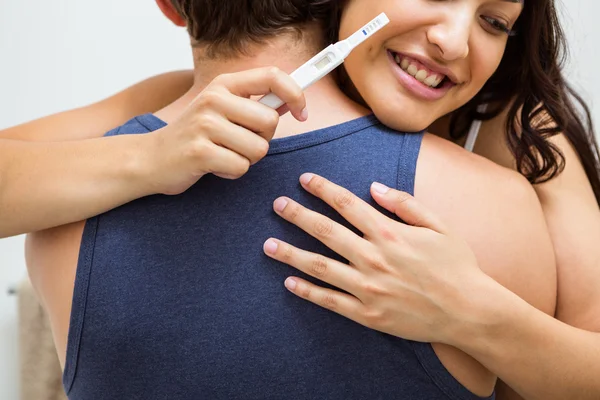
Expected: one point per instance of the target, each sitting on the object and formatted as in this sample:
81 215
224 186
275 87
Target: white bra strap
474 130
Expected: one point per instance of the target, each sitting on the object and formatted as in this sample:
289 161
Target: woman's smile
428 62
419 80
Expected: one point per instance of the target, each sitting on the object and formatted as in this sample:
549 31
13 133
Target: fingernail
306 178
291 284
271 247
304 114
280 204
379 188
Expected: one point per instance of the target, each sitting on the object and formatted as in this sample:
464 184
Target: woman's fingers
240 140
407 208
333 235
354 210
228 164
340 303
262 81
325 269
250 114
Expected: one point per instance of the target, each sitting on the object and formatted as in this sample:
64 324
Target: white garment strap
474 130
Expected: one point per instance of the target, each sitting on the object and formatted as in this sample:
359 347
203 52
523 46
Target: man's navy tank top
174 298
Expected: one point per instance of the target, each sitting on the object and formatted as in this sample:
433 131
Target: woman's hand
409 281
223 131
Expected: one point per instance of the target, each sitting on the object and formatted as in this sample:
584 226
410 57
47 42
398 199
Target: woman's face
431 59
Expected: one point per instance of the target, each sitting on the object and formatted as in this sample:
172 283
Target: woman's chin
403 121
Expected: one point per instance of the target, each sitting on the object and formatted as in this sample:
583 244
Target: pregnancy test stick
328 60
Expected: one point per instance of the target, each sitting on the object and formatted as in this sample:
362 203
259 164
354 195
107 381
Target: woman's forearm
47 184
44 184
535 354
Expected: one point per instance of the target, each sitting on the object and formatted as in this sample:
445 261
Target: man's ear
167 8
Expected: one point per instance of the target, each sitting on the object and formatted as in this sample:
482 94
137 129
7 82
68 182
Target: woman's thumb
406 207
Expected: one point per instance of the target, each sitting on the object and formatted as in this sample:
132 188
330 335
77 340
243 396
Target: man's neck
327 105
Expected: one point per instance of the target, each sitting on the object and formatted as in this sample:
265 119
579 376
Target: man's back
160 297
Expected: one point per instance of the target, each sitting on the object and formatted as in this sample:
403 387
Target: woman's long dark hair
529 83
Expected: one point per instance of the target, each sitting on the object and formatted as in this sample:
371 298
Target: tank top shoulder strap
474 130
407 161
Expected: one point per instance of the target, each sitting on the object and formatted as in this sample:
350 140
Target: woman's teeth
424 76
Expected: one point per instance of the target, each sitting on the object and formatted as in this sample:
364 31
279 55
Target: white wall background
56 55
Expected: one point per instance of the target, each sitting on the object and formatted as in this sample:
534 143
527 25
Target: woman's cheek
484 61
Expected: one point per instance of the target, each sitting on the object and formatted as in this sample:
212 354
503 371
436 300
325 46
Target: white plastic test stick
329 59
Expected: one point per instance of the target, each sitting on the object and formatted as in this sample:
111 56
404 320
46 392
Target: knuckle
323 227
207 122
402 197
262 149
329 301
221 80
244 166
373 289
241 168
273 73
292 211
317 184
287 254
305 291
296 95
387 233
200 149
210 98
373 317
376 264
344 199
318 267
271 120
419 221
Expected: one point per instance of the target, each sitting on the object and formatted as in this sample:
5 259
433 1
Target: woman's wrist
140 164
488 314
497 327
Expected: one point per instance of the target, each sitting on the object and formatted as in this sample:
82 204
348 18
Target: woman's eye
496 24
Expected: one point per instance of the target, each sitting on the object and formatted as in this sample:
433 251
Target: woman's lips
416 87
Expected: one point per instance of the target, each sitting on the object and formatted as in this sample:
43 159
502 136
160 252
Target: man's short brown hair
227 26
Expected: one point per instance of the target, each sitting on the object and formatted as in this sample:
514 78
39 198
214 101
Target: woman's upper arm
573 218
96 119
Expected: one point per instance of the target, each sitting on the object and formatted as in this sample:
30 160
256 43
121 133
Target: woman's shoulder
498 213
439 151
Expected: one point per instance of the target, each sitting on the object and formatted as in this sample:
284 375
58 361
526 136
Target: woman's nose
451 36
